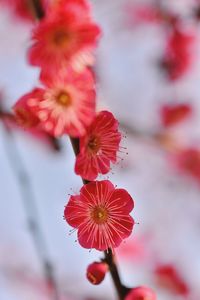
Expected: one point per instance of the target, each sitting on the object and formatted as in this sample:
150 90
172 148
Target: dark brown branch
122 290
37 9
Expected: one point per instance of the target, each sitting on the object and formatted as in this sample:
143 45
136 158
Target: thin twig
30 207
37 9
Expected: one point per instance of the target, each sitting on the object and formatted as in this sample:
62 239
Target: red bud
96 272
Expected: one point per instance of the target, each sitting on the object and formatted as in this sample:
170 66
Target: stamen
64 99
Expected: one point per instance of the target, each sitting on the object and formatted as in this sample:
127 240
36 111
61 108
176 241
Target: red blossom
101 215
172 114
96 272
23 114
141 293
79 7
62 37
98 148
66 105
188 161
23 119
178 56
169 278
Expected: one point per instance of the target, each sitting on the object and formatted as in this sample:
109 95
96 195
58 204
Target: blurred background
148 76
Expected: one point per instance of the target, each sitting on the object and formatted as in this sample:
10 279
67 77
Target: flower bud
96 272
141 293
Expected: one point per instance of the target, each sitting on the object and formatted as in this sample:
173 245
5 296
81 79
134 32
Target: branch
37 9
29 203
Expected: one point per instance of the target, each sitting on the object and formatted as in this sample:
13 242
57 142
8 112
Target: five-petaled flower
64 35
101 215
98 148
66 105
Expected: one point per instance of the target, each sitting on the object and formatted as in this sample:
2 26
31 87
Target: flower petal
74 212
121 200
96 191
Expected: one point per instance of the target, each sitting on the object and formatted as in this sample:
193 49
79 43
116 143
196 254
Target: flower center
64 99
94 144
61 38
99 215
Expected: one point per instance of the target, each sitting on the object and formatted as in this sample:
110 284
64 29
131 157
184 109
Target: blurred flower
80 7
67 105
169 278
98 147
64 34
188 161
171 114
150 14
178 56
141 293
133 250
101 215
23 114
24 120
96 272
143 13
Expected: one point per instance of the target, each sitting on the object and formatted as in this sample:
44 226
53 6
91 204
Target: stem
109 256
37 9
31 210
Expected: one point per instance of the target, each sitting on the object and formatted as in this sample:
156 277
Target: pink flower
178 56
173 114
96 272
188 161
134 250
141 293
64 34
98 147
67 105
24 118
169 278
101 215
80 7
150 14
23 114
144 14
